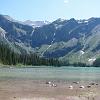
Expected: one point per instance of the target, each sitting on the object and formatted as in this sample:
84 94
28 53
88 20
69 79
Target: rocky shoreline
14 89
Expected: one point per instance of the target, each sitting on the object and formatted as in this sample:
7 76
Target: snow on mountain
36 23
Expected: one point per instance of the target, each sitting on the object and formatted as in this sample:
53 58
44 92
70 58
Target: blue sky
50 9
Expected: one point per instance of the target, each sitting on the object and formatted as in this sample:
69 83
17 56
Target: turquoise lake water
52 73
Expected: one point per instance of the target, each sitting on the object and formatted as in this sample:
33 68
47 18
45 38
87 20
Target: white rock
71 87
49 82
54 85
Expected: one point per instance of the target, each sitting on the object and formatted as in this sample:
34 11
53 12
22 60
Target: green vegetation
9 57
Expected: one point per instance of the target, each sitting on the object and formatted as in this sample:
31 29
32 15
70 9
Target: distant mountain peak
36 23
7 17
59 21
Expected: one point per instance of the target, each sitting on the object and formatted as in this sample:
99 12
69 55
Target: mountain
15 34
72 40
68 40
2 33
35 24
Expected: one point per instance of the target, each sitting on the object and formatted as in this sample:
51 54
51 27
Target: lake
52 73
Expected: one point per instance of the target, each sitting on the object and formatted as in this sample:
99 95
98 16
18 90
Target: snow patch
91 59
50 44
86 21
82 21
82 52
45 50
58 26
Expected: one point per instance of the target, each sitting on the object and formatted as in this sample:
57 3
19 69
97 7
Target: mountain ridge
68 40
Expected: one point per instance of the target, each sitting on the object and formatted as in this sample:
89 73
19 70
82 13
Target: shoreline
49 84
42 66
13 89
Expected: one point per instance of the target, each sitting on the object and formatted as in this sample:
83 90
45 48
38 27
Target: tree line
9 57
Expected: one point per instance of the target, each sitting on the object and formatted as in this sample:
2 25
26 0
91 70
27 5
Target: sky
50 10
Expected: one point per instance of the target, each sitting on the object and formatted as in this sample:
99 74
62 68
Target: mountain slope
15 31
69 40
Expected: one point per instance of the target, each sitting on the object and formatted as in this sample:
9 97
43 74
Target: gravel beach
14 89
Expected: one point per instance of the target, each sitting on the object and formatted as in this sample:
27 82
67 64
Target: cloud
66 1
